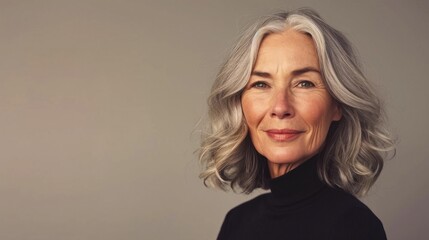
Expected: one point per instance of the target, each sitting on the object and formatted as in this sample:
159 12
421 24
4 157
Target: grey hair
355 147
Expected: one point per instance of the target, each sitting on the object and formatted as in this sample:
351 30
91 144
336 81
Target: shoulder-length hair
355 147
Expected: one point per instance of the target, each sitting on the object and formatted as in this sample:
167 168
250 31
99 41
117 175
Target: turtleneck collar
296 185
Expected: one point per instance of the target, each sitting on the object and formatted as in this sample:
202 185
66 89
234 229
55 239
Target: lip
283 135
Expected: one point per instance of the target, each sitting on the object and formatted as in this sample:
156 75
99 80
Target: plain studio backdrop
99 103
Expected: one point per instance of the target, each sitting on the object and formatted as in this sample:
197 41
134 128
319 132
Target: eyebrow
294 72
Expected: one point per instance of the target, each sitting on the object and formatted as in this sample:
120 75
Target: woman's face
286 105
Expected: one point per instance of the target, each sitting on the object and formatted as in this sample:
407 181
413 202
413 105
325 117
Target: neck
296 185
279 169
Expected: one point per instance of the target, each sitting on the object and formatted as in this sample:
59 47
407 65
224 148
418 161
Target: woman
291 111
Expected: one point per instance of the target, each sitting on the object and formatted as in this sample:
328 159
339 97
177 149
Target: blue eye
259 84
305 84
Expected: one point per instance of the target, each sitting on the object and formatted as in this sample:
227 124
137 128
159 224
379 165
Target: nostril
281 104
283 114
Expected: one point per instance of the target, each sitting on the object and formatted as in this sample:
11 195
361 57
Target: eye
259 84
305 84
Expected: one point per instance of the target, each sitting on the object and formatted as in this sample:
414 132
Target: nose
282 106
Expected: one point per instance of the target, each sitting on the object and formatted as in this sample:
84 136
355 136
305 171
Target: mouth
283 135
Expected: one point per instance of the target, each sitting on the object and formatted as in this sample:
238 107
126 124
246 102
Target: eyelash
255 84
261 84
300 84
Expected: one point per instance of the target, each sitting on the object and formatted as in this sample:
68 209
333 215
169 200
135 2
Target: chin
284 157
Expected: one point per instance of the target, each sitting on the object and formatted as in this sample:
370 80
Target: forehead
290 49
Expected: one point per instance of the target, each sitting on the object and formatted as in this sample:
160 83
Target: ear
338 113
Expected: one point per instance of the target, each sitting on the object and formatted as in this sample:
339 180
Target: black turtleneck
301 206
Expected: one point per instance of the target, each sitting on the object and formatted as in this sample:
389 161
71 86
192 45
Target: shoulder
354 220
239 219
248 207
358 223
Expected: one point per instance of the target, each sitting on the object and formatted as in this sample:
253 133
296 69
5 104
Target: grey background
99 101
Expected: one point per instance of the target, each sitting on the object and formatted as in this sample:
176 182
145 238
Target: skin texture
286 105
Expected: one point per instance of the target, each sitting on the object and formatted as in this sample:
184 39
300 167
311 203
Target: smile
283 135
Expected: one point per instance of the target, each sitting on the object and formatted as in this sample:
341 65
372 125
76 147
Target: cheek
319 114
254 114
252 110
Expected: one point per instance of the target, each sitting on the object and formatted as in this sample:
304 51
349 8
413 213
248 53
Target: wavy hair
355 147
